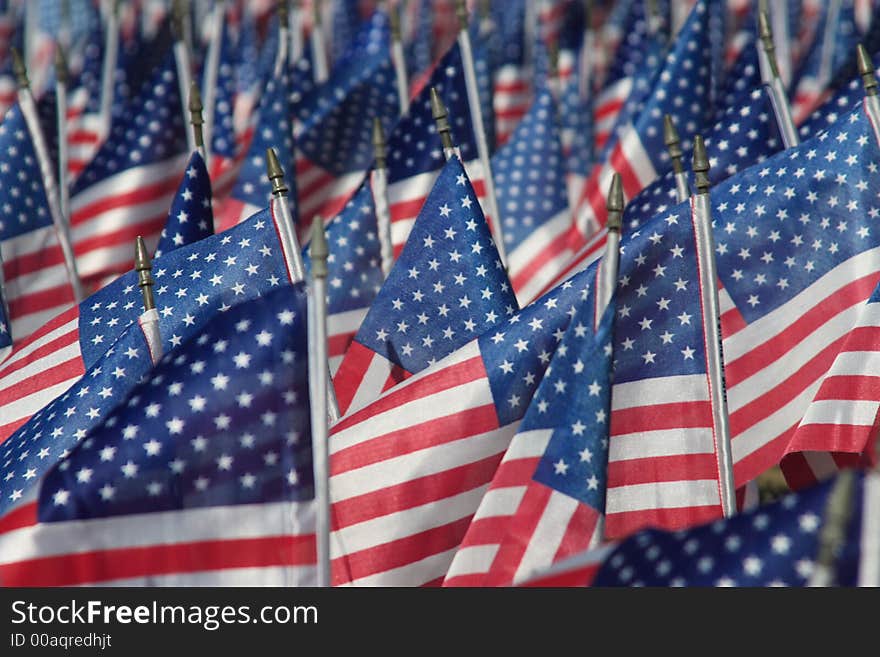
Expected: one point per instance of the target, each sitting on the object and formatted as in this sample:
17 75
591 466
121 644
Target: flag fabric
408 471
190 218
36 283
547 498
530 184
354 271
192 282
415 157
789 302
181 485
447 287
84 123
335 121
127 188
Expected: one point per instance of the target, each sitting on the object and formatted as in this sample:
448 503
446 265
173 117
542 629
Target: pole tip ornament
275 173
615 203
318 249
143 266
178 16
19 69
379 144
316 12
701 166
673 143
866 70
61 72
765 33
195 113
394 19
282 13
441 118
461 13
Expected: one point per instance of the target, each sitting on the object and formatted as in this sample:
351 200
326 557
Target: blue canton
223 139
190 218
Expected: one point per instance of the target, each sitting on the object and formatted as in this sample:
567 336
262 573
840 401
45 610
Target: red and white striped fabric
511 99
608 105
579 570
8 93
321 192
85 134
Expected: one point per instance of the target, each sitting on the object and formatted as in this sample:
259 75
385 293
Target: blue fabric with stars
190 218
5 332
273 130
772 545
574 400
150 131
354 272
57 428
23 203
419 51
193 282
346 21
782 225
517 353
337 117
844 38
223 139
413 146
483 71
576 124
222 420
657 197
744 75
658 331
529 172
89 76
448 285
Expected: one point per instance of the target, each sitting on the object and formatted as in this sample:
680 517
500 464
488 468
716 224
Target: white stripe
662 495
835 411
39 367
164 527
662 390
472 560
26 350
413 574
547 537
268 576
127 181
123 216
578 561
821 464
869 564
347 322
660 443
499 502
528 444
371 384
637 158
120 257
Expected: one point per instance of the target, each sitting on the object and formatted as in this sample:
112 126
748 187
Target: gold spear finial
441 118
765 33
195 113
838 511
19 69
316 12
866 70
553 58
394 18
615 204
318 249
461 13
701 166
282 12
673 143
379 144
61 72
143 267
178 17
275 173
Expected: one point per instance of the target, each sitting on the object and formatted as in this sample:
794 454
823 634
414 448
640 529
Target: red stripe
79 137
351 373
156 560
43 380
578 533
583 576
766 456
732 322
337 344
676 415
842 438
511 86
33 302
414 493
608 109
655 469
547 253
397 375
621 163
404 210
142 194
23 516
40 352
124 235
30 263
619 525
850 387
516 472
59 320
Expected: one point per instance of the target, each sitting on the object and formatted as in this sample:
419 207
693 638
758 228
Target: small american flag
126 190
409 470
547 498
447 287
182 485
190 218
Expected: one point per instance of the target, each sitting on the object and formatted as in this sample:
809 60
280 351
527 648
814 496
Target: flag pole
62 227
832 536
441 118
212 66
61 77
773 83
673 147
398 60
182 61
473 94
379 185
320 67
295 29
607 282
196 120
108 68
149 320
708 278
778 14
869 82
290 244
588 50
318 387
283 38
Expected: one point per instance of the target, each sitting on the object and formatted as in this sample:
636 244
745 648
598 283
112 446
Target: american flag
253 189
547 498
789 301
415 157
84 123
512 91
354 271
743 74
181 485
839 427
37 286
409 470
447 287
127 188
835 39
192 282
530 184
334 127
190 218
